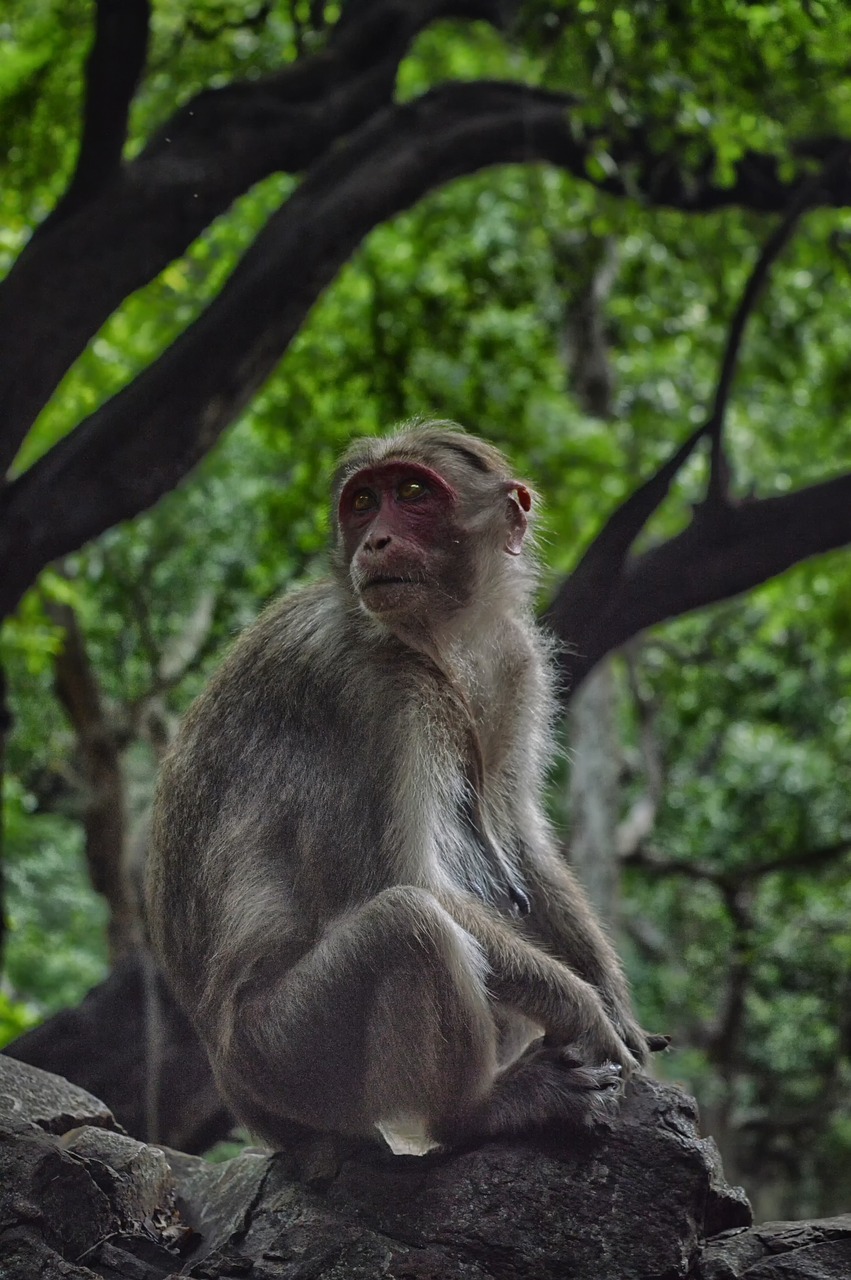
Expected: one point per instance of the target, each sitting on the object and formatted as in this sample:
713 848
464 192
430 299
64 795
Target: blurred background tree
303 221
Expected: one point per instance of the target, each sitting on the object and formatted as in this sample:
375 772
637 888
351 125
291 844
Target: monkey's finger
655 1043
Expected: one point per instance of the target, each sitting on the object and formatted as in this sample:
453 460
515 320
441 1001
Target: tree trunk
99 757
594 791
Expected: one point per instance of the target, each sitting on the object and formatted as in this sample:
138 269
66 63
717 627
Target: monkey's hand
599 1042
640 1043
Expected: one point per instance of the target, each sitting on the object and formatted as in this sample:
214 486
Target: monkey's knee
413 926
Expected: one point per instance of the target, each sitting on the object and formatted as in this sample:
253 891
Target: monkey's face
404 542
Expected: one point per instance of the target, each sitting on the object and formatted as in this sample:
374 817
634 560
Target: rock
635 1201
815 1250
38 1098
71 1187
137 1178
101 1046
219 1199
51 1209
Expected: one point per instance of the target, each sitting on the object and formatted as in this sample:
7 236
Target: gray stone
219 1199
37 1097
136 1177
634 1201
816 1250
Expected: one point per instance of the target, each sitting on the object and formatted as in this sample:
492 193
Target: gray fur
345 832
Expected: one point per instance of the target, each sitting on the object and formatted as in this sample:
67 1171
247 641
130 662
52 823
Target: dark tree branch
731 880
805 860
145 440
806 195
65 285
650 859
609 598
598 578
717 556
104 816
68 281
598 574
113 70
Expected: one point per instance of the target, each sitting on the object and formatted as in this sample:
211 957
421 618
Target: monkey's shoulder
316 635
304 628
312 657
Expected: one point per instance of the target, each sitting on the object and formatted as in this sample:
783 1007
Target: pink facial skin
398 534
408 551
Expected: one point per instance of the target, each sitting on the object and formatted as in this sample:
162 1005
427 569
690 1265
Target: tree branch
144 441
104 815
113 70
719 555
598 573
805 860
138 445
593 597
65 285
67 282
717 489
649 859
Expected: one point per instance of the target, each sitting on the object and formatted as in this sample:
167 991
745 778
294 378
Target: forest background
613 238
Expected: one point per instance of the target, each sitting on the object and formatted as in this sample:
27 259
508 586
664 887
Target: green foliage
458 308
754 725
42 50
58 947
15 1018
736 76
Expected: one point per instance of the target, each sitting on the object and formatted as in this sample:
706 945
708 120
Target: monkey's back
262 826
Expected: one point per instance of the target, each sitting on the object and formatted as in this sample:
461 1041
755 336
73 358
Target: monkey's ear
519 502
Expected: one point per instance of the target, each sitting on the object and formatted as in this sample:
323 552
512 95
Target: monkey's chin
392 595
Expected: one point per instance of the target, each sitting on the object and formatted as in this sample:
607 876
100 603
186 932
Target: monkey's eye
364 500
410 489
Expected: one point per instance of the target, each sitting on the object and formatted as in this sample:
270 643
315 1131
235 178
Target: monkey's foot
553 1084
601 1086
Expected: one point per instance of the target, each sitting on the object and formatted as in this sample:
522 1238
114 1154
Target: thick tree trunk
595 789
102 777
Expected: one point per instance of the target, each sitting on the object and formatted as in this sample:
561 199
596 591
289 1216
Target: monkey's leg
383 1021
386 1023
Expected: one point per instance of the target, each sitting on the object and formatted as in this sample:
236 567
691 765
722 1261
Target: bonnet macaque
354 890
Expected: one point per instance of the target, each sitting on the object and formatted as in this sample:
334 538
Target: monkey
353 887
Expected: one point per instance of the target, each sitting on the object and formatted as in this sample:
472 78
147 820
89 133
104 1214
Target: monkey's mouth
387 580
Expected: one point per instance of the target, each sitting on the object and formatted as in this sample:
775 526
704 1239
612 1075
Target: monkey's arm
569 1008
562 918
